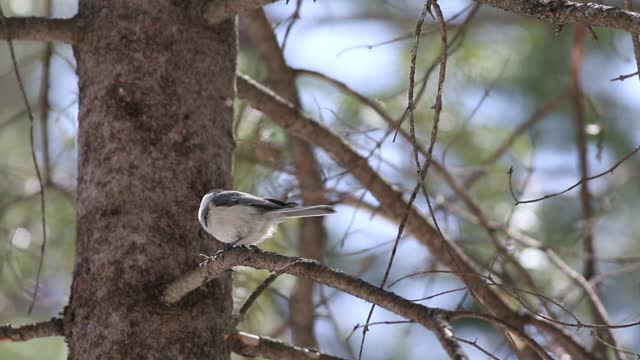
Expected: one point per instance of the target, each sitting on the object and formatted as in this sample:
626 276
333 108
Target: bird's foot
225 247
206 260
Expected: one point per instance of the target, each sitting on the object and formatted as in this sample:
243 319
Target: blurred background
501 70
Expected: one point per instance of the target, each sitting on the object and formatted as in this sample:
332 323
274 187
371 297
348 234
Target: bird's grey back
231 198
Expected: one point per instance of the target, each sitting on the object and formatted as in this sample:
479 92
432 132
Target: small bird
238 218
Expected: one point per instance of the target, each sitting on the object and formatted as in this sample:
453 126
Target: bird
239 218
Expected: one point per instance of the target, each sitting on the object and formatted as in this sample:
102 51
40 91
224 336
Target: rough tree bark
155 133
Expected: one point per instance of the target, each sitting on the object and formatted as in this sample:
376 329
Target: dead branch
41 29
587 286
250 345
578 183
569 12
435 319
9 35
391 201
53 327
421 172
311 269
635 40
312 233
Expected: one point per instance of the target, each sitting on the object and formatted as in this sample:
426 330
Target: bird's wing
283 204
230 198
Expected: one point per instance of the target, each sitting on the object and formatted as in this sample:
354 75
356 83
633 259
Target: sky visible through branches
505 154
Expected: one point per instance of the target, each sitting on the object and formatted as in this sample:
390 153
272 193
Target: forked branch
432 318
392 201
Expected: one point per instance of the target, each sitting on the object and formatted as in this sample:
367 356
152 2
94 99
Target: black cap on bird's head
214 191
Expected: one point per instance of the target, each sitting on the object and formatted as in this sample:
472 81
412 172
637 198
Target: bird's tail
304 211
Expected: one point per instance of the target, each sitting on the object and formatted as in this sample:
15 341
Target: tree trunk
155 133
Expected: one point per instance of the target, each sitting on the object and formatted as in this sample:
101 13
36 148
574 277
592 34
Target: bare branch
618 349
635 40
505 326
421 173
583 180
391 200
53 327
250 345
312 233
589 267
474 343
218 10
536 117
431 318
439 168
311 269
44 113
625 77
41 29
445 334
581 142
43 246
254 296
569 12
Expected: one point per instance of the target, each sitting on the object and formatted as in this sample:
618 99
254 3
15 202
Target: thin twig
445 292
410 108
504 325
293 19
593 177
624 77
474 343
324 301
465 123
44 115
253 297
420 176
391 200
615 347
589 264
459 190
312 233
406 36
544 320
634 38
375 323
537 116
509 290
454 44
250 345
33 158
581 143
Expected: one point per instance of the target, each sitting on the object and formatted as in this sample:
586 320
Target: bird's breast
230 223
